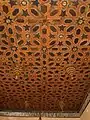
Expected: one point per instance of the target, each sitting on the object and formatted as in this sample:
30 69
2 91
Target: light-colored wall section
30 118
60 119
86 113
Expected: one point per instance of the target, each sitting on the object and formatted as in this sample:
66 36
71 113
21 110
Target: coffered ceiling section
44 54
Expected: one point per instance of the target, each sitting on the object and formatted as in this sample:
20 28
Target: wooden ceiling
44 54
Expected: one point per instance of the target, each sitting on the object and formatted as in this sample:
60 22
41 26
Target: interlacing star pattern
44 54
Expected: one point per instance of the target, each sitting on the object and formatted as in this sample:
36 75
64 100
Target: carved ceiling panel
44 54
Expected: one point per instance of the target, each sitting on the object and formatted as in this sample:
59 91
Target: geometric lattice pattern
44 54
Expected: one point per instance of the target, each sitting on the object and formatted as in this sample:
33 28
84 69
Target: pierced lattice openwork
44 54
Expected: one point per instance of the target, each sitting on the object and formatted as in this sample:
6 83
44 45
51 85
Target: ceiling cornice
37 114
